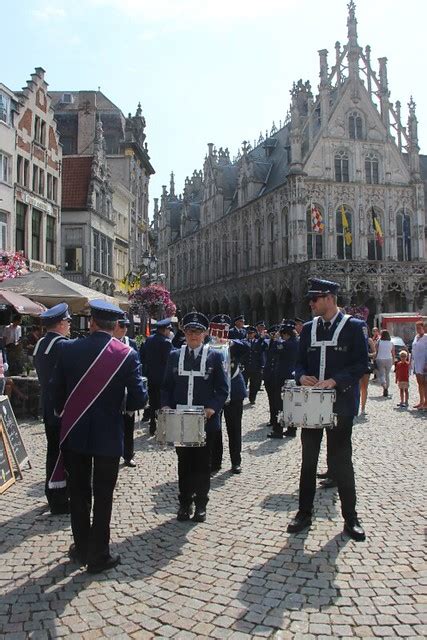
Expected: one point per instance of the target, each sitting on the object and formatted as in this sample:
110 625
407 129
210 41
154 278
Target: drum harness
191 374
323 344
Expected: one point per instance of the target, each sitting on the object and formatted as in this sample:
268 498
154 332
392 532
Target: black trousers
57 498
194 473
253 380
129 427
274 390
340 452
92 539
233 412
154 400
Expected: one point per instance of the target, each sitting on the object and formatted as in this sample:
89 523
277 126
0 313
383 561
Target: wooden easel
7 465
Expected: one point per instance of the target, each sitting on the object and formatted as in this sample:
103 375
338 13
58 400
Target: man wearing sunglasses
332 355
57 321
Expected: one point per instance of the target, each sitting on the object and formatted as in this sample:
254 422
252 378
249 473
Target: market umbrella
50 288
21 304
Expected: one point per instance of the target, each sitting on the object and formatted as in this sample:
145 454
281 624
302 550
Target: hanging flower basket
12 265
361 313
154 301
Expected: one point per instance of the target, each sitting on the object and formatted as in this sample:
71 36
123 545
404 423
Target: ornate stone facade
242 235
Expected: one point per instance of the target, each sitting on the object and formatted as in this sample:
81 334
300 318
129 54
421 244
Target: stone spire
353 48
138 112
384 93
172 185
413 148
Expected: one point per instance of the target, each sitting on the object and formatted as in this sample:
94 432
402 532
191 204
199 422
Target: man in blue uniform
261 328
154 356
233 410
286 360
57 322
332 355
238 331
270 372
88 387
253 362
128 416
195 376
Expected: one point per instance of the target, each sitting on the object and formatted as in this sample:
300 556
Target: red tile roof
75 181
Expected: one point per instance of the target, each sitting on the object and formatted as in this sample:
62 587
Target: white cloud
48 12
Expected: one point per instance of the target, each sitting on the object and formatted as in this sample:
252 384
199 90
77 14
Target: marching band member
154 354
332 355
238 331
88 387
46 352
286 361
195 376
233 410
128 416
270 373
253 362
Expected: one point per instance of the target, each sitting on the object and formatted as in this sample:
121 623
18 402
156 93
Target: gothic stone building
241 236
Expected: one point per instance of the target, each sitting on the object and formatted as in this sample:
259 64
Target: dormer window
67 98
355 126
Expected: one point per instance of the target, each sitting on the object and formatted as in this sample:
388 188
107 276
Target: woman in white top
384 360
418 362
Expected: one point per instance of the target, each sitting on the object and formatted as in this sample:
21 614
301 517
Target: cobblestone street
239 575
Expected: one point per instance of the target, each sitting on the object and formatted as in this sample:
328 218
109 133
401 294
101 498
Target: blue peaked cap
195 320
166 322
105 310
221 318
319 287
55 314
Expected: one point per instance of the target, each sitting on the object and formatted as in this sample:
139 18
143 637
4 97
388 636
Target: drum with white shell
308 407
181 427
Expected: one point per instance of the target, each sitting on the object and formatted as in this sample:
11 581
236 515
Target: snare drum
308 407
181 427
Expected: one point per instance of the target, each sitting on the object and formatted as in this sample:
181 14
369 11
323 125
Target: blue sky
206 71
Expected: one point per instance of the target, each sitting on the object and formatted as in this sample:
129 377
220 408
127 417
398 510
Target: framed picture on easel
7 475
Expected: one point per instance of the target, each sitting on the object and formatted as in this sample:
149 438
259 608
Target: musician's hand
308 381
326 384
209 413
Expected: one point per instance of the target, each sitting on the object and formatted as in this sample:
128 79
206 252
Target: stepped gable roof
102 102
76 176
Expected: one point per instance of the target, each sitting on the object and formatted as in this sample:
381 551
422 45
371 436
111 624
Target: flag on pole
379 236
316 220
346 227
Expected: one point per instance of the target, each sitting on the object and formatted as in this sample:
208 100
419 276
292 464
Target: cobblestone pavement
239 575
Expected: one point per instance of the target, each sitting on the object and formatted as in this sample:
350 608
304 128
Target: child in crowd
402 378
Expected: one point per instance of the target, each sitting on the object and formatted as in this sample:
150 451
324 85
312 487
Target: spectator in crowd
418 362
402 378
384 360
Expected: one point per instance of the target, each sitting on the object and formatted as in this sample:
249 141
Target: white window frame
5 160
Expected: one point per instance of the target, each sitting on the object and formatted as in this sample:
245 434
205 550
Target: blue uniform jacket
254 359
45 364
238 350
100 430
154 356
346 363
237 334
287 359
272 356
210 391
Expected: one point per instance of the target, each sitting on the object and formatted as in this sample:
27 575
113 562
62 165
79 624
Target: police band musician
332 355
57 322
254 360
238 331
195 377
233 408
88 388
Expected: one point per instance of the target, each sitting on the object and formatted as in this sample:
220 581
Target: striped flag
316 219
346 227
379 236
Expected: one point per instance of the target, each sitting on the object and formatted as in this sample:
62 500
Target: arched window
341 167
375 235
246 248
355 126
344 219
371 169
271 227
285 235
314 233
403 232
258 245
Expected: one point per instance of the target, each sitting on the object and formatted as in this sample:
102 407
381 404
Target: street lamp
150 263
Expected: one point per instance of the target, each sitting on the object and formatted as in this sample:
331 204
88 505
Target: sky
206 70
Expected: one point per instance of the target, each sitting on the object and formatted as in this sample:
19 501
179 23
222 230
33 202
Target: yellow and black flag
379 236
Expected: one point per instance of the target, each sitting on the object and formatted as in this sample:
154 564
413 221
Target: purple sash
84 394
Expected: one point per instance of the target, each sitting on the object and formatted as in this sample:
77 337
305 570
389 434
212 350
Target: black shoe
76 556
251 401
275 434
299 523
130 463
109 563
199 515
184 513
60 510
354 530
385 393
328 483
236 468
152 429
290 433
215 470
323 475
